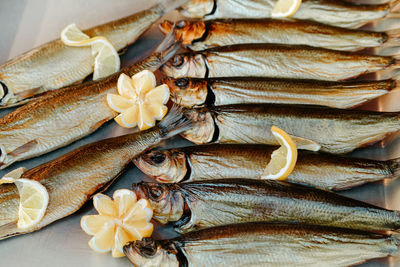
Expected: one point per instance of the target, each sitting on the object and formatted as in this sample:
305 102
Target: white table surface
25 24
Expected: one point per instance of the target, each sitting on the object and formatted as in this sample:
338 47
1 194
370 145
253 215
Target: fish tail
394 167
175 122
170 5
8 230
169 46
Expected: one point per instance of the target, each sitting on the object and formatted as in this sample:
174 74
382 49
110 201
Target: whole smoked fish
192 92
197 205
277 61
55 65
200 35
338 131
332 12
211 162
73 178
63 116
263 244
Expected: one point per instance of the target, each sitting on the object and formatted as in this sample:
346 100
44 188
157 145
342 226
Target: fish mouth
137 250
164 166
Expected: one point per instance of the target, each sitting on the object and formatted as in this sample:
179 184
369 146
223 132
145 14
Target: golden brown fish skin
330 12
201 35
192 92
55 65
263 244
276 61
206 204
210 162
63 116
338 131
75 177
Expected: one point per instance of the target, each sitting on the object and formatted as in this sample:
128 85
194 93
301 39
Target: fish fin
170 5
24 148
98 124
17 173
169 46
175 122
8 230
29 93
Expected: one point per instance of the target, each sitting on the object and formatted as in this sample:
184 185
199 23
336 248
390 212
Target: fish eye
182 82
156 192
158 157
181 24
177 61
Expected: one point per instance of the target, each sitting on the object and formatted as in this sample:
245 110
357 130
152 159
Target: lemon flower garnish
140 102
119 221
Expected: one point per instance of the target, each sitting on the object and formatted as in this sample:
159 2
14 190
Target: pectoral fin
306 144
24 148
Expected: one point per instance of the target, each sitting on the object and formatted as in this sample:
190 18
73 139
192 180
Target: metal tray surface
25 24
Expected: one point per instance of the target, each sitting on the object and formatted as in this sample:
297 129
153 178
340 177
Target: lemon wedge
139 101
33 198
106 60
283 160
285 8
33 202
119 221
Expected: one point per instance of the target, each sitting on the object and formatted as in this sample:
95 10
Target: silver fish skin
201 35
223 161
276 61
55 65
338 131
199 205
72 179
263 244
193 92
330 12
63 116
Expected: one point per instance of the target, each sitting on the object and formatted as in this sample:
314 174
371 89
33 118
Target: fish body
330 12
63 116
198 205
276 61
55 65
192 92
211 162
338 131
75 177
201 35
263 244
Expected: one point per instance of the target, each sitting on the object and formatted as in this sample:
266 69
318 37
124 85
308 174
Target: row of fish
238 82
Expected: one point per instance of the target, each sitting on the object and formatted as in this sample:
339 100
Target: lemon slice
139 103
33 198
106 60
285 8
119 221
33 202
283 160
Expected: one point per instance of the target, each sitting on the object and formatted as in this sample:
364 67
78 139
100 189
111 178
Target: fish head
197 8
167 166
186 65
186 31
187 92
166 200
149 253
6 95
203 129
